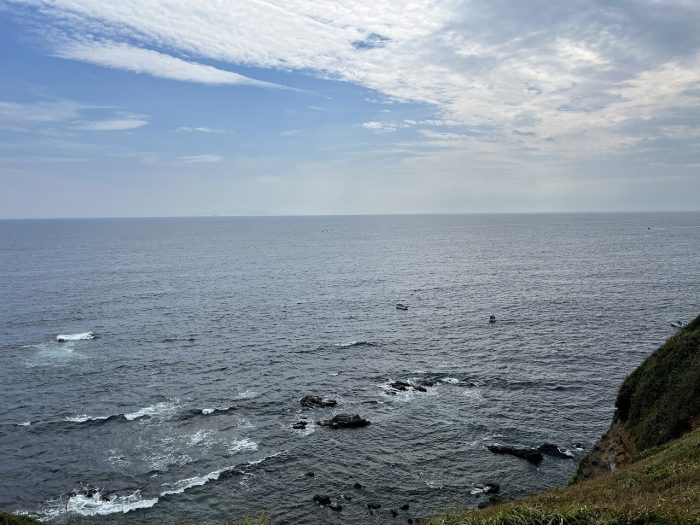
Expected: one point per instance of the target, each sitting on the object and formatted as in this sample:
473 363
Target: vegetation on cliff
650 457
660 400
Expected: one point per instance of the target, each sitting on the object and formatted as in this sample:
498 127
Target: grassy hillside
651 448
660 400
662 486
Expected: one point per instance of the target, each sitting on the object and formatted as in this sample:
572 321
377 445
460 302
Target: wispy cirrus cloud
151 62
116 124
496 64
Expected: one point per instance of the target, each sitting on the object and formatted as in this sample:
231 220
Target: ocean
187 344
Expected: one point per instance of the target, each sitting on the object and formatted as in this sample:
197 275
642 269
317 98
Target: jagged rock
300 425
322 499
316 402
357 486
344 421
553 450
530 454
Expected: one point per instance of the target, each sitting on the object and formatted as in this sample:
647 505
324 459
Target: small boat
677 324
401 306
492 319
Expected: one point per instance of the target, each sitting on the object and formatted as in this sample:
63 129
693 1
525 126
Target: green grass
660 487
660 400
12 519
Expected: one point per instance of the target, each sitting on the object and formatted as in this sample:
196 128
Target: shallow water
209 331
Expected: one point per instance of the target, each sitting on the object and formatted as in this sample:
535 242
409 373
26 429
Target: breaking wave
75 337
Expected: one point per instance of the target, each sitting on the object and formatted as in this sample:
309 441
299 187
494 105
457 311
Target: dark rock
399 385
420 388
530 454
400 306
553 450
344 421
427 383
394 512
309 474
404 506
357 486
322 499
300 425
409 521
374 506
60 340
316 401
335 506
191 339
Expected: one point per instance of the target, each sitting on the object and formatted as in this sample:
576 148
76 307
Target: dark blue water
211 330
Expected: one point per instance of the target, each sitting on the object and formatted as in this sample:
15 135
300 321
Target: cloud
39 112
290 132
117 124
199 159
201 129
378 127
154 63
569 73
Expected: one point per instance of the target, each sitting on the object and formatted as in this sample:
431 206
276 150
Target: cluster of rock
533 455
403 386
336 422
325 500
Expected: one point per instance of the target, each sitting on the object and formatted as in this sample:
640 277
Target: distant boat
677 324
401 306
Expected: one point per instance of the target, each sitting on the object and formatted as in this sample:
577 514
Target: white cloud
201 129
116 124
569 77
378 127
150 62
198 159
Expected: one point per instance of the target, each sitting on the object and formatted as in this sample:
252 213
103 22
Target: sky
256 107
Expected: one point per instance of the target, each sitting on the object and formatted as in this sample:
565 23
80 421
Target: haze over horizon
170 108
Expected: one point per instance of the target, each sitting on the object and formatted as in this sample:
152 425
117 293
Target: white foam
75 337
184 484
24 424
202 437
207 411
450 380
94 505
242 444
164 408
247 394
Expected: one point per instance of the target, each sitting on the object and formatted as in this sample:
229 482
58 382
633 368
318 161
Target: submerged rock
357 486
400 385
322 499
300 425
344 421
374 505
553 450
530 454
316 401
